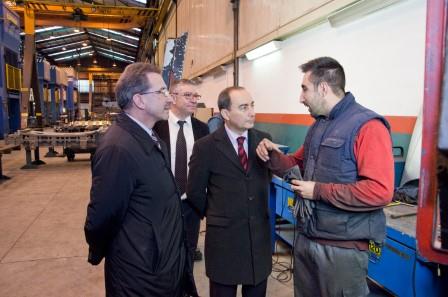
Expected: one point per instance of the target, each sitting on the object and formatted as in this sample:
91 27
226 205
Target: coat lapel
164 148
195 128
163 131
252 146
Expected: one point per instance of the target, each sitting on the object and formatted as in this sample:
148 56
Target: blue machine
397 266
58 84
9 71
70 99
281 202
43 75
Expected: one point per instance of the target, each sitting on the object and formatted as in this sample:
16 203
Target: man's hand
305 189
264 147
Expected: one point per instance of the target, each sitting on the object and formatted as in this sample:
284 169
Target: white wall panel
383 56
213 84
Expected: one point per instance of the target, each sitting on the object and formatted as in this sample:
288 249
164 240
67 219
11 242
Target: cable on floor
282 271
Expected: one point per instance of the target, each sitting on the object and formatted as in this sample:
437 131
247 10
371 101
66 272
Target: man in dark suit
229 185
180 132
134 217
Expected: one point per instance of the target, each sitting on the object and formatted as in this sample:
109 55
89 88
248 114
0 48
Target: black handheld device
293 173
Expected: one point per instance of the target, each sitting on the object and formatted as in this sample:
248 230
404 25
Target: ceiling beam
48 13
152 30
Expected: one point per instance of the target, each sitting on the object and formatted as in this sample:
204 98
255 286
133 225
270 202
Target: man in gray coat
134 216
229 185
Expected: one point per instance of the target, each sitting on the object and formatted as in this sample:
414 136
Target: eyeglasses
189 96
163 92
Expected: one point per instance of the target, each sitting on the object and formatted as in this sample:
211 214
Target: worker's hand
264 147
304 189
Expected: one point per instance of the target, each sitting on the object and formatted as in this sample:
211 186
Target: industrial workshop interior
61 63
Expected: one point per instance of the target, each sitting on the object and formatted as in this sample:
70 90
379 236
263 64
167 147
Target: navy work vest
329 158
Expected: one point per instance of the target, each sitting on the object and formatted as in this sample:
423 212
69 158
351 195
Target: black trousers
220 290
192 223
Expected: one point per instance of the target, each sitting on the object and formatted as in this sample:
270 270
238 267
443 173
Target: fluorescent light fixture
76 30
74 56
121 34
115 57
44 29
119 41
69 51
59 36
264 50
47 29
60 46
137 29
357 10
111 51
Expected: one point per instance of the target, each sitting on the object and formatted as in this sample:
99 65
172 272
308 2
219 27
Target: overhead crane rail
47 13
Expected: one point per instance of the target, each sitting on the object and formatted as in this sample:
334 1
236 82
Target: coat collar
140 135
342 105
226 147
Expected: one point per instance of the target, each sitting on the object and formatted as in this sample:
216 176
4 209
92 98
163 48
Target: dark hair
326 69
132 81
182 81
224 101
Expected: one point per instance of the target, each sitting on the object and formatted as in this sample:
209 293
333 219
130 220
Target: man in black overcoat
180 132
134 216
229 185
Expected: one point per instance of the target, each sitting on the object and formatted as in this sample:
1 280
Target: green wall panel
293 135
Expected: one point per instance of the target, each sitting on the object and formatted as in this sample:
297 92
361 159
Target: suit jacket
134 216
162 129
238 237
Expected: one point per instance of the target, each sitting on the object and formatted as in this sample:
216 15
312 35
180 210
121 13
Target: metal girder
102 70
29 21
145 46
49 13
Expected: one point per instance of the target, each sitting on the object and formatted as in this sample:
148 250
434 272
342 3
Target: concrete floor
42 246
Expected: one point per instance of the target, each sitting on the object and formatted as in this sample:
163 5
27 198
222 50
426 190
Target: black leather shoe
197 256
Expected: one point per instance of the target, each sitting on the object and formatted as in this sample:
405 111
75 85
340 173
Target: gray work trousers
327 271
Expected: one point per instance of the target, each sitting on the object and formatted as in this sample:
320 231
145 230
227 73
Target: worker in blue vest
348 172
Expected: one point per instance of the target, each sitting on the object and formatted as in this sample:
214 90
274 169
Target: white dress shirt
233 136
189 139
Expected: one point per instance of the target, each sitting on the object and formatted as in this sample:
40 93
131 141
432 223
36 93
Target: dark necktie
242 153
156 139
180 169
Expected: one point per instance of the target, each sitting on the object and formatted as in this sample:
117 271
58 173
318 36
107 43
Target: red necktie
242 153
